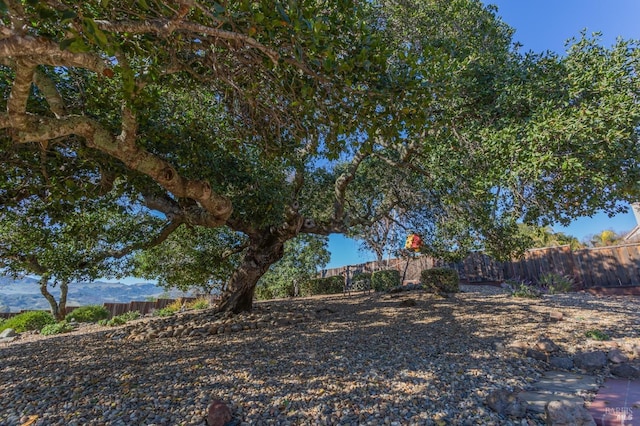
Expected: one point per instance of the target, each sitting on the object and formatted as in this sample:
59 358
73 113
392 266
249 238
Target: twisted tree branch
39 129
50 93
48 52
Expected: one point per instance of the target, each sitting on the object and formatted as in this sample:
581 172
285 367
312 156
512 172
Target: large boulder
590 361
218 413
8 332
625 371
546 345
616 356
565 413
506 403
563 362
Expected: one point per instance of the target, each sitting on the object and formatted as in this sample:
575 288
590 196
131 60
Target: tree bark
62 305
263 251
44 281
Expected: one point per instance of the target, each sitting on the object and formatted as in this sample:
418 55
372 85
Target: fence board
633 263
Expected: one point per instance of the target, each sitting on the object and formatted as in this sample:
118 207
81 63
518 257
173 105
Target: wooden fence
594 267
121 308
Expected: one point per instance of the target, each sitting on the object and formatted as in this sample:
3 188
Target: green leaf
94 33
128 81
69 15
64 44
78 46
219 9
283 13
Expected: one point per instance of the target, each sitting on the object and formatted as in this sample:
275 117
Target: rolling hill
16 295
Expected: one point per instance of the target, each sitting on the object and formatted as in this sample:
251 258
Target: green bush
263 292
26 321
360 281
554 283
360 276
440 280
596 334
329 285
527 291
164 312
199 303
120 319
523 288
91 313
385 280
58 328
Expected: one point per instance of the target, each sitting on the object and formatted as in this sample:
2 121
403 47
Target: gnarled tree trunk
263 251
58 310
62 305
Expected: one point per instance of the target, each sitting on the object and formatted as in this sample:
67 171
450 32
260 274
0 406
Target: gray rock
563 362
281 322
564 413
506 403
539 355
9 332
408 303
590 361
566 383
538 400
617 357
518 346
218 413
546 345
556 315
625 371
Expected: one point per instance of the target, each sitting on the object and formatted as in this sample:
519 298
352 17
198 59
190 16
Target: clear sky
542 25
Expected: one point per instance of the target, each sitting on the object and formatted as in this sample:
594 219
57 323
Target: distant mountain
16 295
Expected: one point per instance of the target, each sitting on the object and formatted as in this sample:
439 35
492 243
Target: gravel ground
366 359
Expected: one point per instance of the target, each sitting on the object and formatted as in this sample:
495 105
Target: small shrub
115 321
361 281
522 288
120 319
263 292
91 313
131 315
199 303
58 328
385 280
164 312
329 285
173 307
26 321
176 305
596 334
440 280
554 283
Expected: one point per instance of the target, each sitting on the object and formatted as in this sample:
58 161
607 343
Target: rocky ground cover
410 358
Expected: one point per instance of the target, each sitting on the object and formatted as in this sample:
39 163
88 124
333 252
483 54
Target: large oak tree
275 119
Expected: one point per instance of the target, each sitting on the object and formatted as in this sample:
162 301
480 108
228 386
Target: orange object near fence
413 242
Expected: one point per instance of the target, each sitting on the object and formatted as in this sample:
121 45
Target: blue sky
542 25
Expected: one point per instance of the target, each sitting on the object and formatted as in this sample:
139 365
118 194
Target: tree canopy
86 239
278 119
545 236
